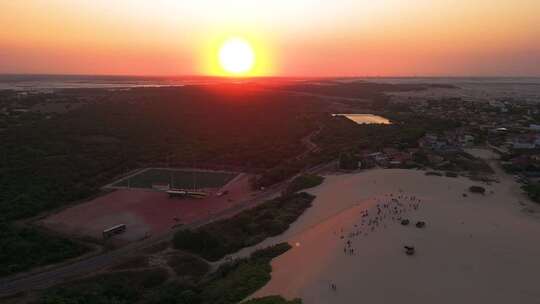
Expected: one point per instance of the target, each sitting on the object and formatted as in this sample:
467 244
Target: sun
236 56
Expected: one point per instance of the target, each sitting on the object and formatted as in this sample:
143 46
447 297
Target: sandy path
475 249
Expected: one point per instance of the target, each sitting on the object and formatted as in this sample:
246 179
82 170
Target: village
507 126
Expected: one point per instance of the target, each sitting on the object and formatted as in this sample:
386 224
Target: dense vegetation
343 135
374 92
50 162
304 181
117 287
348 161
234 282
217 239
230 283
341 138
189 266
47 163
24 248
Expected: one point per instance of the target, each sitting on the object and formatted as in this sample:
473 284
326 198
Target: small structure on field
109 232
180 193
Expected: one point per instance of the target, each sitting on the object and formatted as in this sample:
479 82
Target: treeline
341 138
25 248
48 163
217 239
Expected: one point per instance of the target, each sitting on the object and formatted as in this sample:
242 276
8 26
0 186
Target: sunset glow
288 38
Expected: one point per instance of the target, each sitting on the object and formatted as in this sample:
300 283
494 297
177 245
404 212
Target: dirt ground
144 212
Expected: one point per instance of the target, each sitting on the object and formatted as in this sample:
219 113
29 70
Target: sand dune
474 249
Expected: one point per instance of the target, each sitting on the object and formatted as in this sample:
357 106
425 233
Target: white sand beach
473 249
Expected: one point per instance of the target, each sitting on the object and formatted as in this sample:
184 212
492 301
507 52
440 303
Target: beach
349 246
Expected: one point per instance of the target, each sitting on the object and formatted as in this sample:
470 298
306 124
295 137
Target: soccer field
177 178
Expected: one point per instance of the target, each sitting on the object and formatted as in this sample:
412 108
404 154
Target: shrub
185 265
304 181
271 252
245 279
217 239
477 189
234 281
450 174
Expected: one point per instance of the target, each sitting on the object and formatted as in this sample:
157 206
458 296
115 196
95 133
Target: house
525 141
523 145
431 141
466 140
534 127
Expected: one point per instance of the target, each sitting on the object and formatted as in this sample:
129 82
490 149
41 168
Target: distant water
366 119
48 82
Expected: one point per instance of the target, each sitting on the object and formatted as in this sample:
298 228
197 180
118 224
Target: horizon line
265 76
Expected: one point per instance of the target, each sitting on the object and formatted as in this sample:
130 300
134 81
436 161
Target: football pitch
176 178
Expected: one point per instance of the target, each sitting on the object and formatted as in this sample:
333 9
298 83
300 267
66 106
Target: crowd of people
390 208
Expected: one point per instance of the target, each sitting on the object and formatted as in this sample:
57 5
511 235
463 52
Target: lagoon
362 119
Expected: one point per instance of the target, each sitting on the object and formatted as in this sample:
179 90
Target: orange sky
295 37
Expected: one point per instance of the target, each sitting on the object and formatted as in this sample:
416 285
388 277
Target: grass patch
304 181
177 178
215 240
